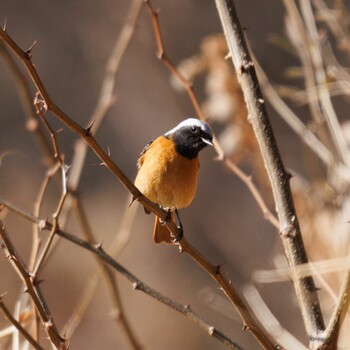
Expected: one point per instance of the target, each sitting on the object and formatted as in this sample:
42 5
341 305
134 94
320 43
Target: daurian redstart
168 169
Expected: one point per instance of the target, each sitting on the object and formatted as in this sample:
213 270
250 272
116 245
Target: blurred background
73 43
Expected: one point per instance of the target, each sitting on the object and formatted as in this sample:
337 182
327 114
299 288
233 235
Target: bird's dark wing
144 150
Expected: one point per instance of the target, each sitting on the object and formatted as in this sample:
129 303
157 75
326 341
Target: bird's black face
191 139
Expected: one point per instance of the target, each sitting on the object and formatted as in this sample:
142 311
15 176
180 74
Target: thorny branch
86 134
136 282
32 287
18 325
105 101
246 179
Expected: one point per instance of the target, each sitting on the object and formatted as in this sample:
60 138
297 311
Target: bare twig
242 309
85 133
55 217
271 324
340 311
104 156
289 226
32 287
118 311
137 283
319 101
12 320
23 89
37 206
246 179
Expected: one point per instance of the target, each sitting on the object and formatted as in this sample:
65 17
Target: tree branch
17 324
279 178
136 282
32 287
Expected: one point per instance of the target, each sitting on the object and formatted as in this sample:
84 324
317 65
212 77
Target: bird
168 171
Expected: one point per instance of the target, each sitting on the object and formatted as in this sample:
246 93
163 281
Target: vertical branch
32 288
17 324
246 179
279 178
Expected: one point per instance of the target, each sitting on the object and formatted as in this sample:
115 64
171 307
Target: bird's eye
193 128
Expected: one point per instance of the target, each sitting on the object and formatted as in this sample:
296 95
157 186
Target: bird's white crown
190 122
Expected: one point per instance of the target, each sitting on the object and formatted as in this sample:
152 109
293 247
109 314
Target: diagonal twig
136 282
86 134
17 324
32 287
246 179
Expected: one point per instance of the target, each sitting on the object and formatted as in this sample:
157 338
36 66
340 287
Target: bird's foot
179 228
168 216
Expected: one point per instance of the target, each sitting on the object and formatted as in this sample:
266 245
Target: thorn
29 51
211 330
261 100
246 65
187 307
88 129
9 257
4 27
180 249
58 131
245 327
133 199
98 246
289 175
136 285
48 324
228 55
25 290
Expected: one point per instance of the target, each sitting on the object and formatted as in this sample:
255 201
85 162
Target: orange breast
165 176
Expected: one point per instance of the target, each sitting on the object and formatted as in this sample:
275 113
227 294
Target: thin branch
172 68
118 310
279 178
55 217
104 156
321 77
85 133
107 97
12 320
121 238
246 179
37 206
136 282
271 324
24 92
32 287
340 312
241 307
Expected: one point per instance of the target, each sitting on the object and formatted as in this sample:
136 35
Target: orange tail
161 232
